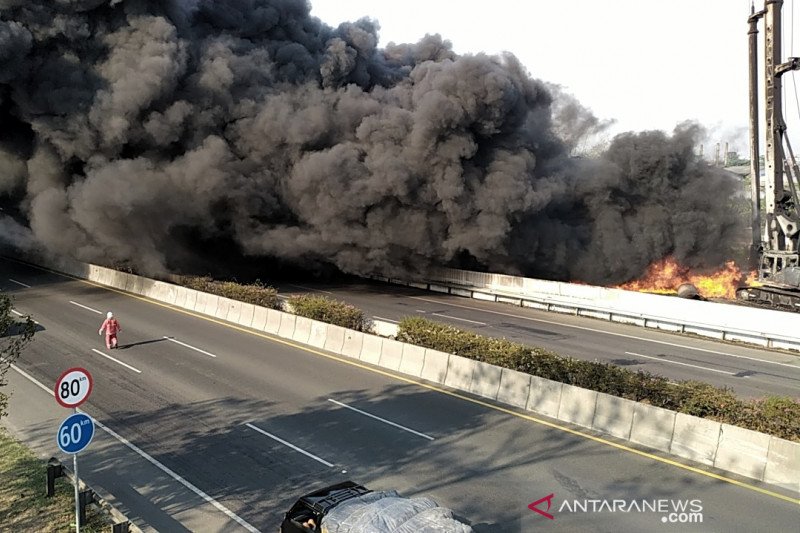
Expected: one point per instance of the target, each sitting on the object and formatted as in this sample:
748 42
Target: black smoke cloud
140 132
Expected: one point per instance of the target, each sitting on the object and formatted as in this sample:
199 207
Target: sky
646 64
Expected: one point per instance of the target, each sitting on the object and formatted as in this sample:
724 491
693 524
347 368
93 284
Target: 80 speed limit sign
73 387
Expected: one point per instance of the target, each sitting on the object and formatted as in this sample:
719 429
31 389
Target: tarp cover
388 512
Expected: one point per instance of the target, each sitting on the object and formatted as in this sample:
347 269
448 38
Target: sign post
76 431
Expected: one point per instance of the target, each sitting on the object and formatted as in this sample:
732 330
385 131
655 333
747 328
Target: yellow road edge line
571 431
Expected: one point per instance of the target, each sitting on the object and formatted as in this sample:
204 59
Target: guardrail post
122 527
85 497
54 471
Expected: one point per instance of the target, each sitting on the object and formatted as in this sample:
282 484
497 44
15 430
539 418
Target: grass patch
23 504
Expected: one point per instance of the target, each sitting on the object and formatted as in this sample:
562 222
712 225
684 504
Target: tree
14 336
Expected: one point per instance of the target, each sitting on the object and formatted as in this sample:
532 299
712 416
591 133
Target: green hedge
256 293
328 310
779 416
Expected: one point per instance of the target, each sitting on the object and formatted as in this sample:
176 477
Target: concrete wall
733 449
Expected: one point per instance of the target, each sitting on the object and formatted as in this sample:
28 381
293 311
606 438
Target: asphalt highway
211 427
749 371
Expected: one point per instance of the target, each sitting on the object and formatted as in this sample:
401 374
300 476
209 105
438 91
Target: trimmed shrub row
779 416
328 310
256 293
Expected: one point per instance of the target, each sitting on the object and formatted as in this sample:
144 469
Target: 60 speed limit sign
73 387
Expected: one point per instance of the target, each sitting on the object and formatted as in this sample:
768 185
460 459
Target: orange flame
665 276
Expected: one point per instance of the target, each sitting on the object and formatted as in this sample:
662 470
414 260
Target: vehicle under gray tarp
388 512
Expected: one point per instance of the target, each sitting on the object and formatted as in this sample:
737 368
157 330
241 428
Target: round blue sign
75 433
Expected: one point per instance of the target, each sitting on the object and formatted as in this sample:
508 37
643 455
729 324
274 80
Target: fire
665 276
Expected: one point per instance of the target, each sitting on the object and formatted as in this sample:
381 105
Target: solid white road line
594 330
385 319
679 363
289 444
230 514
19 283
117 361
87 308
190 347
20 314
461 319
423 435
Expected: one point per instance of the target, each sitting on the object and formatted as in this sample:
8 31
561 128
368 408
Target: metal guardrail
86 497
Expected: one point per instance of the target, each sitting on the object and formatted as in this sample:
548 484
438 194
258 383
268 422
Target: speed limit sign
73 387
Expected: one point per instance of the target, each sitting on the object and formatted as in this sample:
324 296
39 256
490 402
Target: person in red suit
111 327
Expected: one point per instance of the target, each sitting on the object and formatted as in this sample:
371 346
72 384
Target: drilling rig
776 223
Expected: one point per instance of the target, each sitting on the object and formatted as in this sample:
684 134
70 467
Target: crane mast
776 224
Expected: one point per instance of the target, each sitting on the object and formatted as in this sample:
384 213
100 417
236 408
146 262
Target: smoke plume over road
149 132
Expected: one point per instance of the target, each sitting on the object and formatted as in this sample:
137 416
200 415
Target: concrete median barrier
485 380
514 388
695 438
459 372
302 329
201 302
137 285
224 305
319 331
211 302
413 360
246 315
577 405
783 464
286 329
435 367
742 451
274 321
260 318
234 311
613 415
545 396
653 426
191 299
334 338
391 354
371 349
180 297
353 343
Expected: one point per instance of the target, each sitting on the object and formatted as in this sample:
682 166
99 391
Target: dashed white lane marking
289 444
144 455
404 428
126 365
19 283
86 307
679 363
595 330
190 346
386 319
